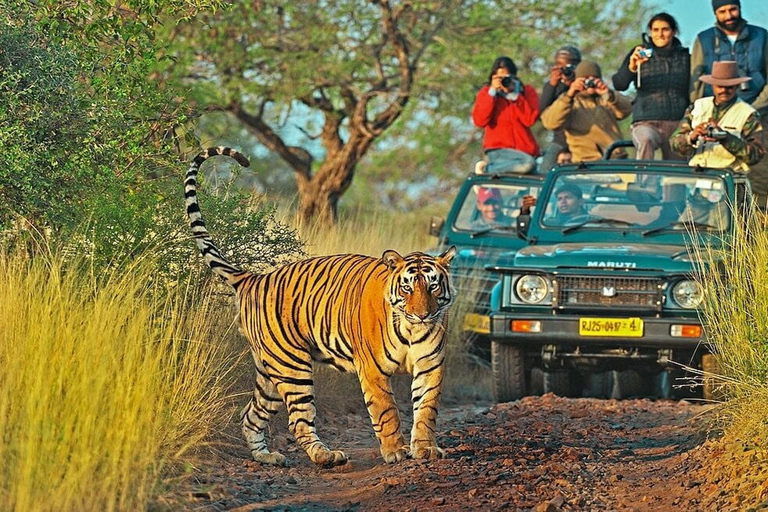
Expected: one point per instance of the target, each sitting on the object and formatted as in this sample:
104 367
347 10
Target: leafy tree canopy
318 82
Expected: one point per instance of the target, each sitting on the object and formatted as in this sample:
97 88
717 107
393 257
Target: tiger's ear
446 258
392 259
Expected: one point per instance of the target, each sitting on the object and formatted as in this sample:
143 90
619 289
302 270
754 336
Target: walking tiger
371 316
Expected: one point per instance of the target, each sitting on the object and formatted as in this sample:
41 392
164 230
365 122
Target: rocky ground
541 453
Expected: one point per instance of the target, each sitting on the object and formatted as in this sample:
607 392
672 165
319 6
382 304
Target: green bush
89 155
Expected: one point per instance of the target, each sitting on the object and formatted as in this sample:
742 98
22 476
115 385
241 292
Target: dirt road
541 453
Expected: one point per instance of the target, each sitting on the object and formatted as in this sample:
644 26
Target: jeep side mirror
436 225
522 225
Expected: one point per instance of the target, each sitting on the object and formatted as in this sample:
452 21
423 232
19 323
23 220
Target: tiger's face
420 289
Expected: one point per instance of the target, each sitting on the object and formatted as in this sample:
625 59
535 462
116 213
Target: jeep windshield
644 201
493 206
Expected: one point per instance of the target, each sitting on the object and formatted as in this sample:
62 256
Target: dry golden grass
736 321
363 232
104 384
107 382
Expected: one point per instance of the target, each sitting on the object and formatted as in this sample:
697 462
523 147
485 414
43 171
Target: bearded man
732 39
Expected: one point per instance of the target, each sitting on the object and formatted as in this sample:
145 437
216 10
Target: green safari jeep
602 301
482 243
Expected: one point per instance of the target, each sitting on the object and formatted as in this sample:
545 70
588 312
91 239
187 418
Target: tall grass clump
104 383
735 317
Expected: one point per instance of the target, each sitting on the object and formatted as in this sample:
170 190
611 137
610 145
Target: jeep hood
479 257
606 255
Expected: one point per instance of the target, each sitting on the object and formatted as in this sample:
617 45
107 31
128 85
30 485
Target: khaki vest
713 154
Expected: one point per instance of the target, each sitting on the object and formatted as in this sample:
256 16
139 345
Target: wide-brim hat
725 73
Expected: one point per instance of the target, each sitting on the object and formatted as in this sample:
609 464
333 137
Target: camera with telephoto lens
645 53
569 71
716 133
590 83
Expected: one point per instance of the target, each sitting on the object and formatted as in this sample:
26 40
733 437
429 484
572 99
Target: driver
570 203
489 204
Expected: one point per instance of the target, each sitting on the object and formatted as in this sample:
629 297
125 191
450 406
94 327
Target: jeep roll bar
616 145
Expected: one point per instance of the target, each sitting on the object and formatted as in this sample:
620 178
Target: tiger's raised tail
211 254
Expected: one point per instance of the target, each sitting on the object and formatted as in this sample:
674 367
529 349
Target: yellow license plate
626 327
477 323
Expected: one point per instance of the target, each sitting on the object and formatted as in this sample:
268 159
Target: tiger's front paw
330 458
394 455
427 452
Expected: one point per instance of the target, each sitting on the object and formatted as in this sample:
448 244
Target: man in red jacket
506 109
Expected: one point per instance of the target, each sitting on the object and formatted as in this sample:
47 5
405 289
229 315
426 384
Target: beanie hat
588 68
573 53
716 4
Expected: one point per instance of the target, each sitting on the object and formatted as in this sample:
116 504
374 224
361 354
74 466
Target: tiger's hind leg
297 389
254 418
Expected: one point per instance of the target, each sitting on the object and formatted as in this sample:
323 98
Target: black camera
507 81
568 71
716 133
590 83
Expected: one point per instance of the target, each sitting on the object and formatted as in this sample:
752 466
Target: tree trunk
319 195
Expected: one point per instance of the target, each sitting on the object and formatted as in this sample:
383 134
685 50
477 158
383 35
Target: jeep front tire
508 370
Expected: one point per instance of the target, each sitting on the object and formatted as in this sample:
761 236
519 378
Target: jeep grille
603 292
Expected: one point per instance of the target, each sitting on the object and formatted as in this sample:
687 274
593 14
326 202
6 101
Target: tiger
371 316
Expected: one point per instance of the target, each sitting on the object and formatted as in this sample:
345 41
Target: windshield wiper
600 220
485 231
677 224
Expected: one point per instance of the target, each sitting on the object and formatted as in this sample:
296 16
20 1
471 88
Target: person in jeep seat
489 209
570 204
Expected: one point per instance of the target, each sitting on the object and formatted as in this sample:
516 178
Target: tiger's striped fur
371 316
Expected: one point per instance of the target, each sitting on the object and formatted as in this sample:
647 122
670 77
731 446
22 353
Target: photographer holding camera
722 130
506 109
660 71
561 74
588 112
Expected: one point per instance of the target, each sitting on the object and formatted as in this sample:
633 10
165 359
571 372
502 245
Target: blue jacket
749 51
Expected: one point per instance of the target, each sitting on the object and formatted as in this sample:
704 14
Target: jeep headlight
688 294
532 289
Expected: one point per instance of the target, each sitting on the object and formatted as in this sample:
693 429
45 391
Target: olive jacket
590 122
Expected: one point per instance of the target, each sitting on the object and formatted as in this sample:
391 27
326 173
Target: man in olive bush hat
721 130
732 38
588 112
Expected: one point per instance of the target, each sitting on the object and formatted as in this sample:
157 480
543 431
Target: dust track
541 453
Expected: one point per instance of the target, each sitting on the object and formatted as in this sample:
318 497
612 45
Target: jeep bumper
590 331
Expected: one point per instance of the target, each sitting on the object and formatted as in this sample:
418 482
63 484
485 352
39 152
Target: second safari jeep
480 245
605 286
